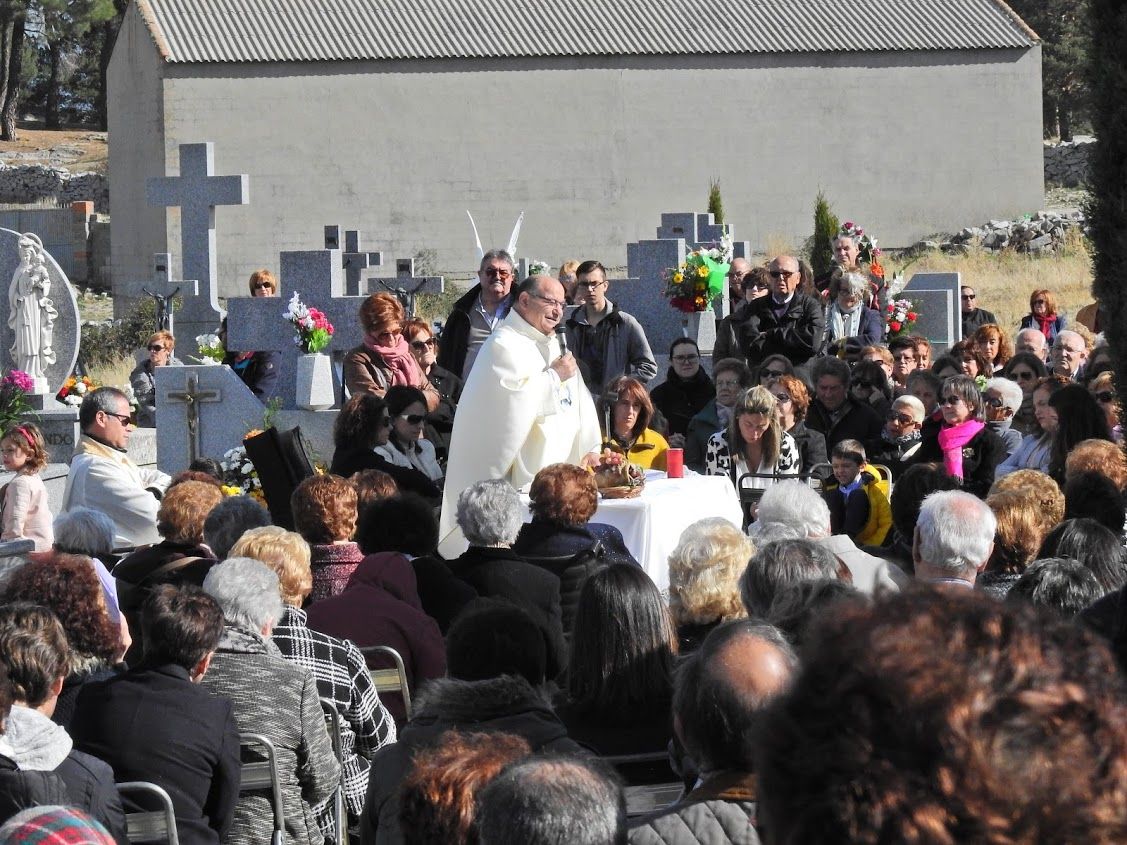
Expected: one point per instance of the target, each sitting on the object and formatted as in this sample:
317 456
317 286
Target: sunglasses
500 274
782 274
950 400
124 419
156 347
903 419
264 286
411 419
967 296
1039 302
781 398
1024 376
993 401
863 383
420 345
1105 396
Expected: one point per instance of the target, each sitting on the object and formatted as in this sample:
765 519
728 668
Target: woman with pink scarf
964 445
384 358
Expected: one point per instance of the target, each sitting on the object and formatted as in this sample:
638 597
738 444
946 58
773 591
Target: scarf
952 440
845 323
404 369
1045 323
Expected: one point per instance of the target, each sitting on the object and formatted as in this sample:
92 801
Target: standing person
732 377
527 396
685 391
143 378
849 316
786 322
263 283
834 413
607 341
26 512
383 358
437 380
478 313
1043 315
258 370
973 316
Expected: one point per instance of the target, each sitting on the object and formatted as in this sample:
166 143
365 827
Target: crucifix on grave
406 285
354 260
197 191
192 397
163 291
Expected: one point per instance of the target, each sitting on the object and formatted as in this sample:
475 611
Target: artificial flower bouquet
314 331
74 390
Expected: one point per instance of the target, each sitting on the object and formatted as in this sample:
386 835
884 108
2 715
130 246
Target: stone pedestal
59 424
701 327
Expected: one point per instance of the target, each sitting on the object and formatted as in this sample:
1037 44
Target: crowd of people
917 635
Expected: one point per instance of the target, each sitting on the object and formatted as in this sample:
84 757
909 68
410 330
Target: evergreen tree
826 226
1066 40
715 204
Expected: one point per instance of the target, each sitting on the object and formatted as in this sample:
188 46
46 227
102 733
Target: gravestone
163 288
59 422
355 260
936 296
648 261
196 192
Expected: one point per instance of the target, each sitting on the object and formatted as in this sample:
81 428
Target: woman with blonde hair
754 442
704 578
160 347
337 665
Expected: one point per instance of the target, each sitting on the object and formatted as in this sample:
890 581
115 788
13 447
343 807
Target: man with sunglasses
523 407
973 316
785 322
103 478
477 313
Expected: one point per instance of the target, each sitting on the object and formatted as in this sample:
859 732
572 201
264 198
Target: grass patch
113 372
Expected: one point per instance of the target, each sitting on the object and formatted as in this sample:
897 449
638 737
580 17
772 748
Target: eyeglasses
993 401
548 300
686 359
420 345
411 419
903 419
156 347
124 419
1024 375
904 359
782 274
950 400
494 272
590 285
1105 396
781 398
967 296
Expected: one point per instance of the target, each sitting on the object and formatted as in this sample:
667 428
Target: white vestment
514 419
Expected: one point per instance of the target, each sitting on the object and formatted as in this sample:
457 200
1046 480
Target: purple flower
19 379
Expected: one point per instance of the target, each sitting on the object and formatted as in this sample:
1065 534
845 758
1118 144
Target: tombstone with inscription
39 328
936 298
646 264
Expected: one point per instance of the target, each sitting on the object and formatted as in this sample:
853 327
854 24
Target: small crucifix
193 397
406 285
163 291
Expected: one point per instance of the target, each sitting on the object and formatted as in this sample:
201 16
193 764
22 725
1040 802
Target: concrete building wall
593 150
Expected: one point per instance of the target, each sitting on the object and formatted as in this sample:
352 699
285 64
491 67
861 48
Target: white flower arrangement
539 268
722 252
239 472
211 349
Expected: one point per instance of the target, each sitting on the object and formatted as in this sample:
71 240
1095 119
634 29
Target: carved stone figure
31 312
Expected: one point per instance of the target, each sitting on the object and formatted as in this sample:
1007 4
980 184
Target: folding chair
641 800
333 723
145 826
262 775
649 768
390 680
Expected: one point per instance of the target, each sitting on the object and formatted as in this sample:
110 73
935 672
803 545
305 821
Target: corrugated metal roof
339 30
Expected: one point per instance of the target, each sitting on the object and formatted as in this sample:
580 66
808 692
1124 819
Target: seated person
731 376
324 514
859 508
626 411
158 706
900 437
406 447
102 476
704 574
441 387
685 391
753 443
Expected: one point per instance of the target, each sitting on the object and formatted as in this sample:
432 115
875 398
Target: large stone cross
197 191
163 290
354 260
406 285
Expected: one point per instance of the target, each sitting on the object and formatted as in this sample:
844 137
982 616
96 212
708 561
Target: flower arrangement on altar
314 331
699 279
211 349
899 318
14 406
867 249
74 390
239 475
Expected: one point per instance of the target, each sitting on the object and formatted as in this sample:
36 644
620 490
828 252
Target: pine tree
715 204
826 226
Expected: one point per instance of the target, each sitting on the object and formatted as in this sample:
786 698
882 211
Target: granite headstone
936 298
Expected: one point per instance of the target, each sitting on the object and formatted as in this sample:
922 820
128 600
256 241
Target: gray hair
496 254
854 284
955 532
798 506
782 564
247 591
107 399
489 513
84 531
768 532
1066 334
1010 391
229 519
1031 332
966 389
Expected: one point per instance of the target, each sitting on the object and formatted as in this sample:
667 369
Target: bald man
720 693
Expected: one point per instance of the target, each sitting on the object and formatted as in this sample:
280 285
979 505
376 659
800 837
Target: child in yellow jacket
858 505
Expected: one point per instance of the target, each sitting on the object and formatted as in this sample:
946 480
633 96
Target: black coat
679 400
349 460
860 422
455 339
981 456
812 447
501 573
21 790
260 374
797 335
154 724
440 421
442 593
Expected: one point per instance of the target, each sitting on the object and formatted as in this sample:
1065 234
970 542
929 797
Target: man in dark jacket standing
156 723
786 322
836 415
33 648
478 312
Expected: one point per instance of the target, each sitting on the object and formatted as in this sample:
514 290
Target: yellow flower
229 490
252 433
678 278
702 271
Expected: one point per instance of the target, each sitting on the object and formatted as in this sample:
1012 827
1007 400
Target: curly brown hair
1102 456
1042 488
1019 531
564 494
799 395
324 509
967 348
942 718
184 508
68 585
437 798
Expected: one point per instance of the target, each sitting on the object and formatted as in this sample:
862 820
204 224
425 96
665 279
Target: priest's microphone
561 336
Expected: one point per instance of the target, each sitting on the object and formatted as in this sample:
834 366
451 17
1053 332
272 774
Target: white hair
914 405
248 592
489 513
1031 332
1065 334
955 532
854 283
797 506
1010 391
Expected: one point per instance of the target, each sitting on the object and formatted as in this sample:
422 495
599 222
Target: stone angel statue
31 313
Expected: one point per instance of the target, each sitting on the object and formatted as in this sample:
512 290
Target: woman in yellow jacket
625 410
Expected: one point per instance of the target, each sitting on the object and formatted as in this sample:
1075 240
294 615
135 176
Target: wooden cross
406 285
354 260
192 397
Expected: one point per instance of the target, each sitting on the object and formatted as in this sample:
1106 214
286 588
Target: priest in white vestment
523 407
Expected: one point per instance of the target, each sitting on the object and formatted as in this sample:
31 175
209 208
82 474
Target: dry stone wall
35 183
1067 163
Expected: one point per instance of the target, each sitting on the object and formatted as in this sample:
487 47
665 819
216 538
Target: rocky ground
75 149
